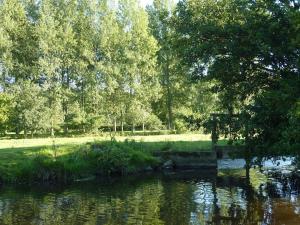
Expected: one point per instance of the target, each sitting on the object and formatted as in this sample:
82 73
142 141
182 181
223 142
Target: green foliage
291 133
123 158
256 71
93 64
42 169
27 161
29 111
96 66
159 15
98 159
152 122
5 111
275 117
100 66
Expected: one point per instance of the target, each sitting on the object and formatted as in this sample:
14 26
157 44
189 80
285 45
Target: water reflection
191 197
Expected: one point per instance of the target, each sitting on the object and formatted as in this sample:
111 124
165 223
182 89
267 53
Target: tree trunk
66 85
143 127
66 129
214 134
52 129
169 94
133 128
82 102
25 132
122 127
115 125
52 132
122 122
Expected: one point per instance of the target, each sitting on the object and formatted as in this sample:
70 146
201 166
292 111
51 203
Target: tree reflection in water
176 198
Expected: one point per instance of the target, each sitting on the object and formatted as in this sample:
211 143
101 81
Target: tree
19 43
160 14
140 65
29 111
127 65
5 111
85 29
66 61
234 42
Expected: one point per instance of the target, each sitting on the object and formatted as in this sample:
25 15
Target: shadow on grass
182 146
69 162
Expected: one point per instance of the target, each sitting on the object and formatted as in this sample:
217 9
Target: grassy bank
71 162
71 159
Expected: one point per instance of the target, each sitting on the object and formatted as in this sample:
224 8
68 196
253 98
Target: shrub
123 158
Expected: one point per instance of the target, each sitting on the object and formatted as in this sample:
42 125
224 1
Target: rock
168 165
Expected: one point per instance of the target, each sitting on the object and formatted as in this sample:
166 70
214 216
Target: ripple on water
172 199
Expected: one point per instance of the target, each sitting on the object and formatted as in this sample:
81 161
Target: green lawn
196 141
17 151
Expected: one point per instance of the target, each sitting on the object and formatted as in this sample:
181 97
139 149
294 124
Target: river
229 195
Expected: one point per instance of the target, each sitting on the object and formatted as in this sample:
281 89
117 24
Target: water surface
175 198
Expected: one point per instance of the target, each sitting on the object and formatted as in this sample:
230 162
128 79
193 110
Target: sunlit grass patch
62 159
42 142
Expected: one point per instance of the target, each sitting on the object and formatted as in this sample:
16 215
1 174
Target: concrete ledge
189 160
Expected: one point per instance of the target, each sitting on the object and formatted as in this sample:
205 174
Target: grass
71 162
22 158
203 140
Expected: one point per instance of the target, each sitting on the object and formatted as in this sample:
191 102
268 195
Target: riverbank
70 162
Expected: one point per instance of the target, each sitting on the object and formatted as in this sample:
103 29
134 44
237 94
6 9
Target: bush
180 125
123 158
41 168
153 122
